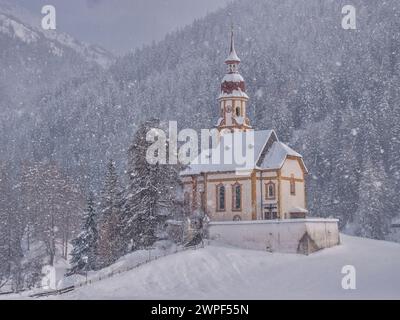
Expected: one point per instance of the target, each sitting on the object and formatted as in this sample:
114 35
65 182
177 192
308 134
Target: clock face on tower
229 109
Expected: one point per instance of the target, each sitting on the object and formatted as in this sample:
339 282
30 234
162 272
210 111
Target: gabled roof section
277 155
264 151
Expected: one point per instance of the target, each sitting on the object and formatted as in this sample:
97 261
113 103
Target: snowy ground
229 273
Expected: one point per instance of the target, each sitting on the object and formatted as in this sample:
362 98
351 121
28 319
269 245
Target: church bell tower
233 98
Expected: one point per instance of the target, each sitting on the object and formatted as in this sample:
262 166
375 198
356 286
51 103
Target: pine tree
4 239
110 243
84 246
393 157
11 230
371 218
346 173
152 191
52 207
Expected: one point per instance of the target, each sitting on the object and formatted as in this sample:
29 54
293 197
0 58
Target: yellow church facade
262 194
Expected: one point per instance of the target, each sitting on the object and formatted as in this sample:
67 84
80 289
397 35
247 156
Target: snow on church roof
298 210
277 155
233 57
233 94
222 158
232 77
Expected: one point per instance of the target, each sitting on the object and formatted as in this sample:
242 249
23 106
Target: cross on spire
232 39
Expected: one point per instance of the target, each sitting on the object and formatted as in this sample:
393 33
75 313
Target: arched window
270 191
292 185
237 197
238 113
221 197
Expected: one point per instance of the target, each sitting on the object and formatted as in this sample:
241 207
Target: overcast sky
122 25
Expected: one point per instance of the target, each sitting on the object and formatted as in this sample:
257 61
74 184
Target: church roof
242 151
298 210
233 77
235 93
233 57
277 154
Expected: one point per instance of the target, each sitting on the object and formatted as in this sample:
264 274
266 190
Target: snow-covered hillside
228 273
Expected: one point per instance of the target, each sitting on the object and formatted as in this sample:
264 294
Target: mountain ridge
13 26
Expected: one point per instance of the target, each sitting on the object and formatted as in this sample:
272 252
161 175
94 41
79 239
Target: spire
232 41
233 98
232 58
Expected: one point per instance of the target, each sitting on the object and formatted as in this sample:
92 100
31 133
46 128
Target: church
270 185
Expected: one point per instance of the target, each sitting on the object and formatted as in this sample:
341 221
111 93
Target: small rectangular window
292 185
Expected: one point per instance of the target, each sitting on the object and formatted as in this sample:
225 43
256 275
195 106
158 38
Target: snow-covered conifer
372 220
83 255
110 243
152 192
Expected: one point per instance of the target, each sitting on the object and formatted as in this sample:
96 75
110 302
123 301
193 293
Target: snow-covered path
229 273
